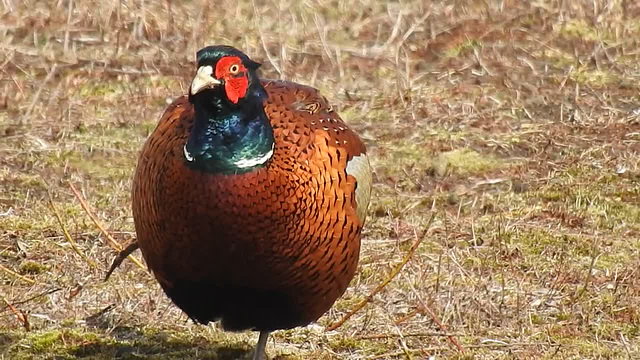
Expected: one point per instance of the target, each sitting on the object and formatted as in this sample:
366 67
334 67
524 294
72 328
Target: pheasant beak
204 80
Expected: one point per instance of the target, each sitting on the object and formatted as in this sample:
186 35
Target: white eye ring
233 69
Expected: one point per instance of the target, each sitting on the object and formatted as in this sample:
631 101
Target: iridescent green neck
229 139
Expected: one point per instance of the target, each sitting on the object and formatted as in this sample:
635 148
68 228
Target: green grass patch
464 162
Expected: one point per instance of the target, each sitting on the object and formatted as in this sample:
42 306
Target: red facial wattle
235 83
236 87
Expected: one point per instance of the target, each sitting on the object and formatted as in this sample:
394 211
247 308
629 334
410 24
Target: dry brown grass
516 123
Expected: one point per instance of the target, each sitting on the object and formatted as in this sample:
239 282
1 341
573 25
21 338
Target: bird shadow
122 343
131 343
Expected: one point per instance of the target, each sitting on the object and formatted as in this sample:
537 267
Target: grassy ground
516 123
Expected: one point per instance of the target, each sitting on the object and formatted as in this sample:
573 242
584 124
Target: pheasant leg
262 343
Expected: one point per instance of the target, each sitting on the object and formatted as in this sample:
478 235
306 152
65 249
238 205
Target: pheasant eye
233 69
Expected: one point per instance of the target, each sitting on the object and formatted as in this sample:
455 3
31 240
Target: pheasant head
226 73
231 133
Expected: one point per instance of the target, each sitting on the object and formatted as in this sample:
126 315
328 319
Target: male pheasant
249 199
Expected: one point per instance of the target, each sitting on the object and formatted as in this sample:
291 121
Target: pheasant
249 199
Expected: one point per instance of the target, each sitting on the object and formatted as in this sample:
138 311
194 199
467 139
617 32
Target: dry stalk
68 28
435 318
36 97
48 292
411 314
20 315
256 20
114 244
395 354
418 334
386 281
11 272
594 257
74 246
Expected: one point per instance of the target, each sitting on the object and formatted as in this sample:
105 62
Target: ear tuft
252 65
